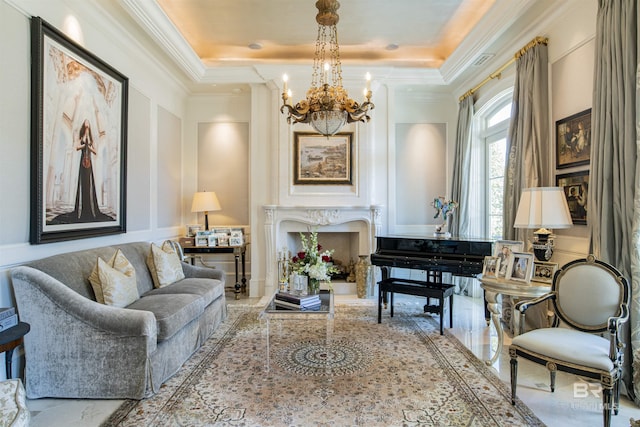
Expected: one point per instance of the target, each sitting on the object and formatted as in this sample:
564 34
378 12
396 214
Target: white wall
157 106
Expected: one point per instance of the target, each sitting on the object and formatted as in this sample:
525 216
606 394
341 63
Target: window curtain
528 138
527 163
461 168
612 200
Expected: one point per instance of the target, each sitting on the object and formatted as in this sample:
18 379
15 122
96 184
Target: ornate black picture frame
576 189
78 140
573 140
321 160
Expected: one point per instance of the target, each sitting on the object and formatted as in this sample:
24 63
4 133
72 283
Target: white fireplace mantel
362 219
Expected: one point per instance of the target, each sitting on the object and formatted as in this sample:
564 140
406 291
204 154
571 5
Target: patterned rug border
239 316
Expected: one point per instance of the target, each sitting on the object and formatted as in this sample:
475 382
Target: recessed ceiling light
255 46
392 46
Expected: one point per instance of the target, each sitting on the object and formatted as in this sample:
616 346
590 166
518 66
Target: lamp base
543 252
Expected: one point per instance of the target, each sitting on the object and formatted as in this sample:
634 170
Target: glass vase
313 287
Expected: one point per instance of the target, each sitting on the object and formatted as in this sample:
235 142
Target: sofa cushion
164 264
114 282
208 289
172 311
13 406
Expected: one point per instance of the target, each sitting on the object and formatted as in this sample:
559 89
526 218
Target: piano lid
433 245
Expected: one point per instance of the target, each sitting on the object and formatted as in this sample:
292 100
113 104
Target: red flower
319 247
326 258
294 259
302 255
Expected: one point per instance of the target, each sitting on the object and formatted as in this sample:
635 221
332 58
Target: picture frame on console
78 140
544 271
491 267
573 140
520 267
321 160
504 250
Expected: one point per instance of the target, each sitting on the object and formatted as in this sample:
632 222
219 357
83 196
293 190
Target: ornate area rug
398 373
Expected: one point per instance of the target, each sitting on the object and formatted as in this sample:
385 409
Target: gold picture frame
322 160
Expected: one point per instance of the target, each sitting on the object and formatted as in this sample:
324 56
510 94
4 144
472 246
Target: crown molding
153 19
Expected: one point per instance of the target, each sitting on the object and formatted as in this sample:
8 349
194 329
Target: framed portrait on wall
573 140
78 140
576 188
321 160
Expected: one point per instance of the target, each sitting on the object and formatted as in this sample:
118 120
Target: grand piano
458 256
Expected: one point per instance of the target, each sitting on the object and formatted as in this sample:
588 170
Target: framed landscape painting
321 160
573 140
576 188
78 140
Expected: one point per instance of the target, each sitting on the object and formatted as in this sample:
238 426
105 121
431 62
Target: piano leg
385 275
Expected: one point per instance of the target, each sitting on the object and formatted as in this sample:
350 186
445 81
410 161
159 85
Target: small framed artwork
78 140
544 271
212 240
202 238
491 266
573 140
192 229
520 267
321 160
504 250
576 188
235 241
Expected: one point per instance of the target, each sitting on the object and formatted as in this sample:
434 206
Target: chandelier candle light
327 106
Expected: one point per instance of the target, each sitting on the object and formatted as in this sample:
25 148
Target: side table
239 253
494 287
9 340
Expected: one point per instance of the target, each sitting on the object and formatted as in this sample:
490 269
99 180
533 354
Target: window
490 151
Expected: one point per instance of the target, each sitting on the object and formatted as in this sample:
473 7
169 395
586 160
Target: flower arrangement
312 261
444 207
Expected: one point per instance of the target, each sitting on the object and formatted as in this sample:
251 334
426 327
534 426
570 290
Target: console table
494 287
239 253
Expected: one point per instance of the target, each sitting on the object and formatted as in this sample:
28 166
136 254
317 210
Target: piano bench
421 288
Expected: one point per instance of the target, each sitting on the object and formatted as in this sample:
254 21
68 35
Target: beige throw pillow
114 282
164 264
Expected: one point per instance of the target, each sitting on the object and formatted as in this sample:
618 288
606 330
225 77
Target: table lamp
543 208
205 201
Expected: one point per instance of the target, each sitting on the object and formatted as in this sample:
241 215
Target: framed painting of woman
78 140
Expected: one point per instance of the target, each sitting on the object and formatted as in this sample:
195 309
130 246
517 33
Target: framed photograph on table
576 188
78 140
544 271
573 140
504 250
520 267
491 266
321 160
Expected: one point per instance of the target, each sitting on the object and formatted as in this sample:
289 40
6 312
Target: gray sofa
78 348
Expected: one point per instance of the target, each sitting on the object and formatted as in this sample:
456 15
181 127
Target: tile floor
561 408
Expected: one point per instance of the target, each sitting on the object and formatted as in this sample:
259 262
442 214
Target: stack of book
8 318
298 302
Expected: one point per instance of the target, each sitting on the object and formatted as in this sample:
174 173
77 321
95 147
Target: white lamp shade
543 207
205 201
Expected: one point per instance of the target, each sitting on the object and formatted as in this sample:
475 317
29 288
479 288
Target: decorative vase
313 287
362 270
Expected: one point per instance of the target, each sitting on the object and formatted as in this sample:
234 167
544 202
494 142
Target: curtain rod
498 73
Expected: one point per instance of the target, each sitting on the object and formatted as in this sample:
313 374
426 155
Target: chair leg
514 378
552 378
607 398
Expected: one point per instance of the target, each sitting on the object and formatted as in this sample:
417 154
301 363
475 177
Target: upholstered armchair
590 302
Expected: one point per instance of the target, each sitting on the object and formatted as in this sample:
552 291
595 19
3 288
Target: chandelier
327 106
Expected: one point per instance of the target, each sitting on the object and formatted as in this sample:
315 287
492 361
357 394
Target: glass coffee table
273 312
